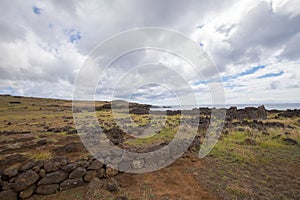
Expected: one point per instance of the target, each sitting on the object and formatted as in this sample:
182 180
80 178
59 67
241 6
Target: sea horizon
268 106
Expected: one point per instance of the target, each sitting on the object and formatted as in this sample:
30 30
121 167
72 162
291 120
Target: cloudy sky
254 44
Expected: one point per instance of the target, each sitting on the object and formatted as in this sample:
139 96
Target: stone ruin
47 177
246 113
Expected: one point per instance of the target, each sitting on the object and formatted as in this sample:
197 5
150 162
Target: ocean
276 106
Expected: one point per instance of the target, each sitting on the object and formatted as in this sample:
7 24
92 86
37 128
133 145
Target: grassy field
246 163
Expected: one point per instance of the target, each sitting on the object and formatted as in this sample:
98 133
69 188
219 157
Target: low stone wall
48 177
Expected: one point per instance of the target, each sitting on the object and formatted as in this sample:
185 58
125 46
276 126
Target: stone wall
48 177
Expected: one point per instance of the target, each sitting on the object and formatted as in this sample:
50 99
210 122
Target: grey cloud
262 29
35 55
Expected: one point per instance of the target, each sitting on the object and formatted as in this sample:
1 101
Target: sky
253 44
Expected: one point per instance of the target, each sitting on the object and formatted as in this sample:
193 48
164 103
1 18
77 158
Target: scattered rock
274 124
276 136
47 189
290 141
94 188
78 173
25 180
71 183
112 185
70 148
121 198
28 192
54 177
249 141
42 142
115 135
265 133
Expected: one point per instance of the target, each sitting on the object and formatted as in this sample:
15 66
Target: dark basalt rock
115 135
78 173
28 192
112 185
11 160
247 113
290 141
25 180
8 195
290 113
274 124
70 148
54 177
71 183
47 189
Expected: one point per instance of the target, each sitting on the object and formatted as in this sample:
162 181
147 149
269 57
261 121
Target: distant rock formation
290 113
247 113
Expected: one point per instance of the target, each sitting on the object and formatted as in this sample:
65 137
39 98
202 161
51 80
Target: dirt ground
179 181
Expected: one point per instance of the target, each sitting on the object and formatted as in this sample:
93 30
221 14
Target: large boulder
70 148
78 173
52 166
54 177
95 165
96 187
71 183
25 180
112 185
55 163
47 189
28 192
261 112
70 167
90 175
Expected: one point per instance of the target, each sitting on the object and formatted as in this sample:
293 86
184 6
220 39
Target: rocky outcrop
290 113
247 113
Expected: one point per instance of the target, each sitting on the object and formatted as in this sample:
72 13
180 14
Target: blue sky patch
74 36
244 73
37 10
252 70
228 78
271 75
